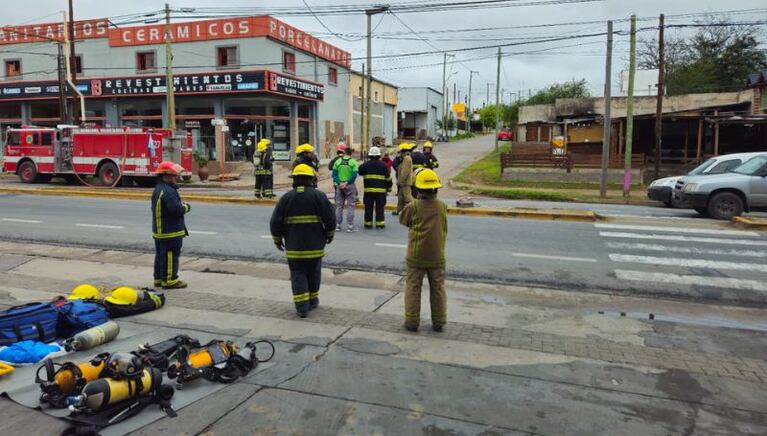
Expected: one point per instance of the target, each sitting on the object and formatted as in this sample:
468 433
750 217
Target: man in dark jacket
264 176
377 183
168 227
302 223
431 160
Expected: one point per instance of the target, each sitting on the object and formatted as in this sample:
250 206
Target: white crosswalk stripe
713 258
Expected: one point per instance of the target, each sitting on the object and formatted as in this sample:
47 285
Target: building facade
419 110
383 109
263 76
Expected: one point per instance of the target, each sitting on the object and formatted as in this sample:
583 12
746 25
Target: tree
570 89
508 117
716 58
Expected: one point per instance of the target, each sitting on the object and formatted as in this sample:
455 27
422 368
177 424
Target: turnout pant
305 278
375 202
437 295
264 185
349 197
166 255
404 196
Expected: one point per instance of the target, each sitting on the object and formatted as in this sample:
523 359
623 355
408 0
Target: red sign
230 28
87 29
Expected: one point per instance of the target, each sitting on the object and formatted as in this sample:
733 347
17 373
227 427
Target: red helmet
341 148
167 167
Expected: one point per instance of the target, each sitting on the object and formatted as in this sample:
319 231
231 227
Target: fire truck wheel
28 172
108 174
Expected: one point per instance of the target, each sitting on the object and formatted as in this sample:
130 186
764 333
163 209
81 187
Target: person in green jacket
345 172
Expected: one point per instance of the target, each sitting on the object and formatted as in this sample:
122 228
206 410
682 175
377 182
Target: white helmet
374 151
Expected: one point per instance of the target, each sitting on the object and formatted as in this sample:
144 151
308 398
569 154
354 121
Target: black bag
150 302
33 321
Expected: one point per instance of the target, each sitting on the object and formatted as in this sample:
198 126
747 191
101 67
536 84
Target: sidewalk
511 360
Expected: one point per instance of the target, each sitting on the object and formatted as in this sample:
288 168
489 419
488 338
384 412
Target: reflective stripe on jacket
168 212
376 177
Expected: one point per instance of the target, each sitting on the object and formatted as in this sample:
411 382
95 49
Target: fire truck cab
113 155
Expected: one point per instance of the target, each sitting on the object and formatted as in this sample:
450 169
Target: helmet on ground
85 291
427 179
374 151
167 167
303 170
341 148
428 144
123 296
406 146
304 148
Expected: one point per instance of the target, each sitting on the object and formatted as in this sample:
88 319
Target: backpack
78 315
33 321
150 302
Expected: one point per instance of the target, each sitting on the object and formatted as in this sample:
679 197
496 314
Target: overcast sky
560 61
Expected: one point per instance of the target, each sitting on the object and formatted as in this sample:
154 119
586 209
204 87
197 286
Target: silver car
728 195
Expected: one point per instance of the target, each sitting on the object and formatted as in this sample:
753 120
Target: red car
505 135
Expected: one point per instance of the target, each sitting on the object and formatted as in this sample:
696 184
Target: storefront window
304 132
143 108
281 139
281 111
304 111
44 111
95 109
10 111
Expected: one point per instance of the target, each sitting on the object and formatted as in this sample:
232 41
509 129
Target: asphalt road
666 259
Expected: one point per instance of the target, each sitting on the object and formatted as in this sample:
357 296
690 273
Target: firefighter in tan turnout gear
405 176
426 217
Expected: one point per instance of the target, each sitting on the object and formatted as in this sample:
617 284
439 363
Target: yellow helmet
262 144
84 292
123 296
428 144
304 148
303 170
406 146
427 179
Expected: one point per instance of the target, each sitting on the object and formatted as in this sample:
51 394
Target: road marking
688 263
100 226
266 236
382 244
676 279
19 220
676 229
201 232
675 249
547 257
683 238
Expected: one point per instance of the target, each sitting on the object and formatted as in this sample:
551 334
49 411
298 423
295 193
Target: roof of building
421 87
374 79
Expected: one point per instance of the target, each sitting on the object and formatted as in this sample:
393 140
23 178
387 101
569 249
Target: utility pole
487 98
444 93
368 78
169 85
607 120
72 60
63 112
363 100
630 109
497 97
661 85
468 102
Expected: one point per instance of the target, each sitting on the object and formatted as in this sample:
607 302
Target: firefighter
264 176
168 227
404 176
431 160
301 225
345 172
426 217
419 159
377 183
305 155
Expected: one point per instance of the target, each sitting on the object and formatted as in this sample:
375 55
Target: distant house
418 112
695 126
383 109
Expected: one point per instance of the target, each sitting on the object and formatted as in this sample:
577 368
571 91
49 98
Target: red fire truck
113 155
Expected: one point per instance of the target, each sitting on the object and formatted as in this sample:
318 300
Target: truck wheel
725 206
28 172
108 174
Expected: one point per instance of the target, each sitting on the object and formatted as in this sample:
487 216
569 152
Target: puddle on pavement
707 321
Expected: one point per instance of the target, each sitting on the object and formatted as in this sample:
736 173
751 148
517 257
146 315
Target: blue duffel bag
78 315
33 321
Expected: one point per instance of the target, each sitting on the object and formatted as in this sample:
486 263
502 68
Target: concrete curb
750 223
526 213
